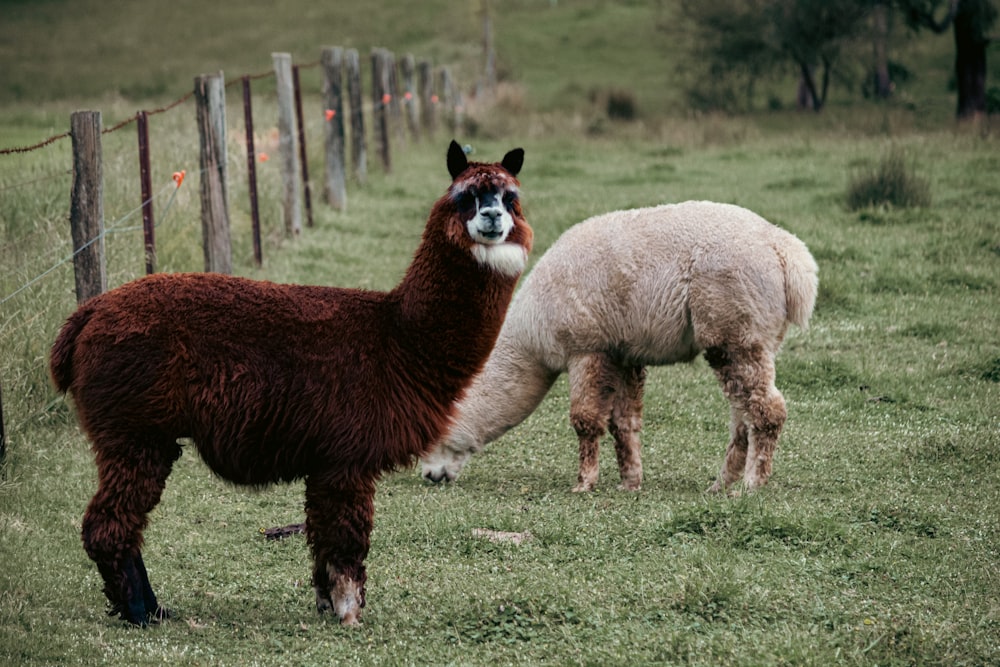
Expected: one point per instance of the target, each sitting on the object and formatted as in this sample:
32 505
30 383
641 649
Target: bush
891 183
619 104
622 105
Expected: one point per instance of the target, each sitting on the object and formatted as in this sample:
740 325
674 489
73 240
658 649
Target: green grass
875 543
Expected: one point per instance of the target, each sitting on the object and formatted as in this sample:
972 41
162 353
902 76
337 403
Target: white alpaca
637 288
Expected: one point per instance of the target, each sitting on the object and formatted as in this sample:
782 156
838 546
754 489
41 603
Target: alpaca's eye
466 201
508 200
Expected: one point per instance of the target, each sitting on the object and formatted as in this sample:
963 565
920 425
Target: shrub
619 104
891 183
622 105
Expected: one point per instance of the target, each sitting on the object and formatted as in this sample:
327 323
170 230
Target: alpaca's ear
513 161
457 162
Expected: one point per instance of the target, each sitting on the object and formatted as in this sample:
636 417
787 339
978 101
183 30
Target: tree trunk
805 98
808 96
970 66
880 44
970 20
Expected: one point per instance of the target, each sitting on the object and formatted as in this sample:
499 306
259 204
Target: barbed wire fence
409 100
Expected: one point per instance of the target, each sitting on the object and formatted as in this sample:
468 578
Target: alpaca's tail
61 359
801 281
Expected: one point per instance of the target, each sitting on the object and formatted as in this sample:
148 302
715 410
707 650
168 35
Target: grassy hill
560 55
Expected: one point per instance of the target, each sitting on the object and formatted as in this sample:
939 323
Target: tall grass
892 182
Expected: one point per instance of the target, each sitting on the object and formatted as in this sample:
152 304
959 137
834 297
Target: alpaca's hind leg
767 413
593 380
131 481
338 528
625 425
747 378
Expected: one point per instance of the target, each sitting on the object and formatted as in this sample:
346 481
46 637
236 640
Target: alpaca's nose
492 213
436 476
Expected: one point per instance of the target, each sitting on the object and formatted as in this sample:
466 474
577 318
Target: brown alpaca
275 383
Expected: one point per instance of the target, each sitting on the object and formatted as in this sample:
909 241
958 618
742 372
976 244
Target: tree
971 21
733 49
813 33
748 39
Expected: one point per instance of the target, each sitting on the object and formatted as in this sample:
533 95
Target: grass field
876 542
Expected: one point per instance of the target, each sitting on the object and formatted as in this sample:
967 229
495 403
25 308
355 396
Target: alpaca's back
658 285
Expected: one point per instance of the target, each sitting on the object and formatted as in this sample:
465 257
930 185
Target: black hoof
124 613
141 607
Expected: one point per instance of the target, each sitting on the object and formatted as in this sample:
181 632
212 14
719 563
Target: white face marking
506 258
491 222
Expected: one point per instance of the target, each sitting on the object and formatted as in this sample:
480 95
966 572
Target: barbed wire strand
250 77
162 218
114 228
33 147
163 109
50 177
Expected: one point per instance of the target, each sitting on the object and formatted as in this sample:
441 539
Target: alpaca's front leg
132 476
592 382
338 528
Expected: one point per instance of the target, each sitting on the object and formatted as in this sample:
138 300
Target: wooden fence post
452 101
210 99
407 70
428 98
334 188
258 256
146 186
359 150
380 106
300 123
395 97
87 205
287 132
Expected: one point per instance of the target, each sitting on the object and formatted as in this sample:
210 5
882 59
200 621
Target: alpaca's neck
510 387
450 308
